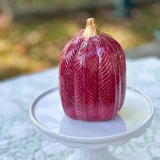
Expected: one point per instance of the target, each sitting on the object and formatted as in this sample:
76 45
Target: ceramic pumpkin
92 75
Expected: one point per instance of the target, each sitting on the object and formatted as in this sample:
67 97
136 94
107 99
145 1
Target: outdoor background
33 32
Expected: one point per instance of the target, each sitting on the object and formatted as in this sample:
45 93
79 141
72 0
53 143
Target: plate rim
59 136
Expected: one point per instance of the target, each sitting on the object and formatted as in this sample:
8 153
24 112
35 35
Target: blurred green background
33 32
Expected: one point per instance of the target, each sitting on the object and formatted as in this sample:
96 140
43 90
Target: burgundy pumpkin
92 75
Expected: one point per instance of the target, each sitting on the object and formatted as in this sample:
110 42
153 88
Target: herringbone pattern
92 77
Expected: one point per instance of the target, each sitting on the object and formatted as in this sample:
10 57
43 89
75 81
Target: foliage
36 45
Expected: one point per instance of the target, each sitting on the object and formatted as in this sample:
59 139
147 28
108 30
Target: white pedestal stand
91 138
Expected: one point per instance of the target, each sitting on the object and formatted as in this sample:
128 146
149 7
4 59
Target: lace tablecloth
19 140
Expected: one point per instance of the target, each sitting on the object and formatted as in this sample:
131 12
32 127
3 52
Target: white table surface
19 140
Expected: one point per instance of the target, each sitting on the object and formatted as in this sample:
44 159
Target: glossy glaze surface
92 77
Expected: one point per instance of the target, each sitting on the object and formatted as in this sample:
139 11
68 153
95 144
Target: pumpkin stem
91 29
